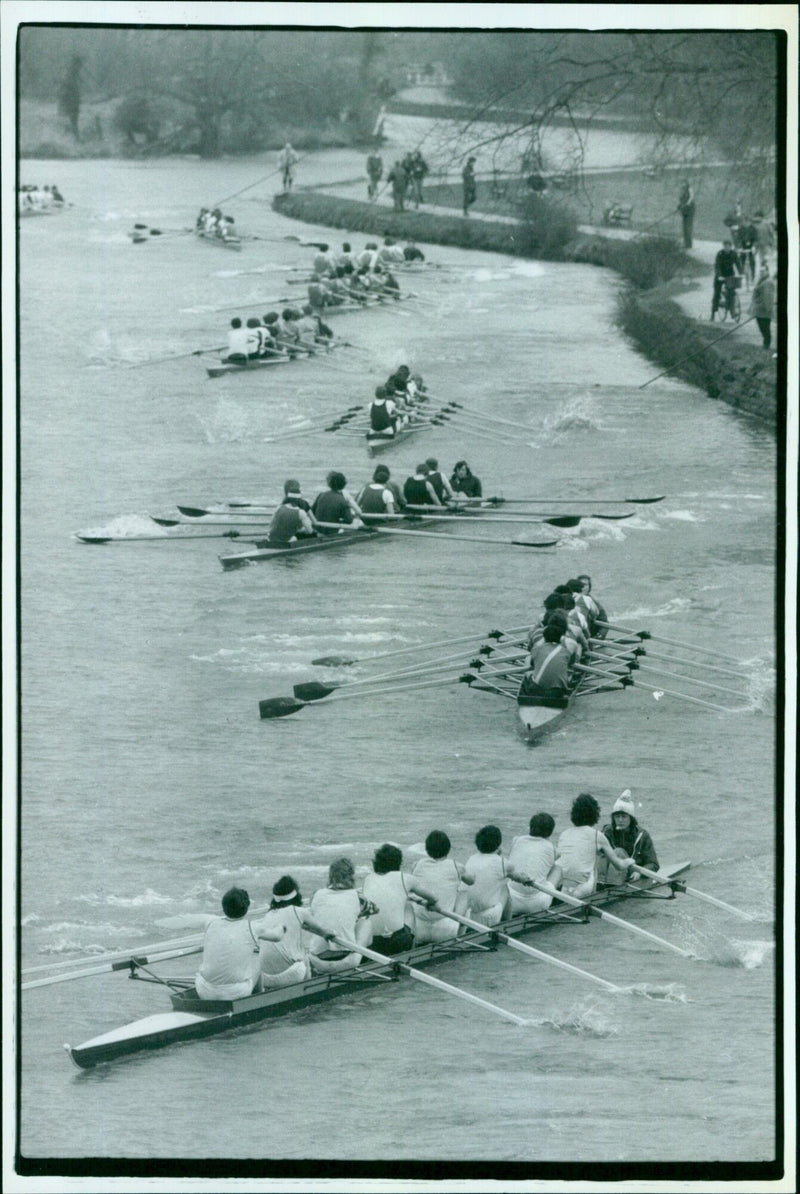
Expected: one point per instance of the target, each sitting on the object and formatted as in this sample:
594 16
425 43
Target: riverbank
732 368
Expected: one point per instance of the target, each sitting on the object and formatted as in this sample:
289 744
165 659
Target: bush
547 227
645 261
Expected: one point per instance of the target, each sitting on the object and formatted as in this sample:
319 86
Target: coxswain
439 482
397 383
321 330
418 490
201 219
57 196
238 343
230 966
292 520
377 497
464 481
412 253
335 504
627 838
550 665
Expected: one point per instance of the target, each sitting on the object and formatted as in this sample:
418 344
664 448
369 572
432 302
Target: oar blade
566 520
313 691
541 543
333 661
279 707
192 511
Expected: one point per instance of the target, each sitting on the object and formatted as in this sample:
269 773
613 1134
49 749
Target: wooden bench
618 215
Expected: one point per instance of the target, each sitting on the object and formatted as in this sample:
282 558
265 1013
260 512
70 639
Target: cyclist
286 162
726 268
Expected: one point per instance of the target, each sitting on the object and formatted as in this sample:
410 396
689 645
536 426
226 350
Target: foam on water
127 525
682 516
580 1020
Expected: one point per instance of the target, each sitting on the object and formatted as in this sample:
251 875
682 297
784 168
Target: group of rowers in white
33 199
396 910
276 334
346 276
211 222
336 510
572 616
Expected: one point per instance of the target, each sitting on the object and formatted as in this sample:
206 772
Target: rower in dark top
383 413
418 490
335 504
464 481
550 674
292 520
439 482
377 497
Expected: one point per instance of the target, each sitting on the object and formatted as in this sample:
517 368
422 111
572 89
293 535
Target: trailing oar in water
531 952
486 514
430 981
198 352
346 661
627 681
108 967
593 910
384 530
658 638
434 514
644 501
157 538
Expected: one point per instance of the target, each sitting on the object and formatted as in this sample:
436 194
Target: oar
529 949
346 661
314 691
492 418
108 967
609 916
227 520
198 352
680 659
284 706
157 538
700 895
628 681
660 671
469 538
645 501
428 979
555 520
658 638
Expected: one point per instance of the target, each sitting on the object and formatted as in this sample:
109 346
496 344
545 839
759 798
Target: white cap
624 804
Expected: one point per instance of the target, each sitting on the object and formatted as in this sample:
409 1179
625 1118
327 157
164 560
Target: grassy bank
653 198
655 269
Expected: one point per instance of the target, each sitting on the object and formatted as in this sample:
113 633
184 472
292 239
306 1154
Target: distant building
431 74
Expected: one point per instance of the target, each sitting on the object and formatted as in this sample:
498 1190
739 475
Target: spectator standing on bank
686 207
419 168
398 177
374 172
468 180
762 304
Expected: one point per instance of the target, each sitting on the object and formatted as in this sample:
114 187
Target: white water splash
682 516
666 992
126 526
147 898
580 1020
227 424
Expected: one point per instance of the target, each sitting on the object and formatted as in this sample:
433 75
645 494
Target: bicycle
727 300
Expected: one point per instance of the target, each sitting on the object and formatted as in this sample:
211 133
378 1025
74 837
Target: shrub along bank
735 373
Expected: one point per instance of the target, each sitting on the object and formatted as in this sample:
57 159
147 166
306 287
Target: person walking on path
374 173
762 303
468 180
287 160
764 238
686 208
399 179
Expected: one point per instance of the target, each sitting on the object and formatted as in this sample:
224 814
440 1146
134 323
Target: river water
150 785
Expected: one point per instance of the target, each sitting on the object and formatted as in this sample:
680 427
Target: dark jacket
636 842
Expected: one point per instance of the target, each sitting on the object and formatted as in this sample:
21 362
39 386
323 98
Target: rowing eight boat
192 1017
222 242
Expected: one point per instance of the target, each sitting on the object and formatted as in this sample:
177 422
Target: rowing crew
35 199
296 518
276 335
571 617
211 222
327 262
396 910
396 402
347 284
